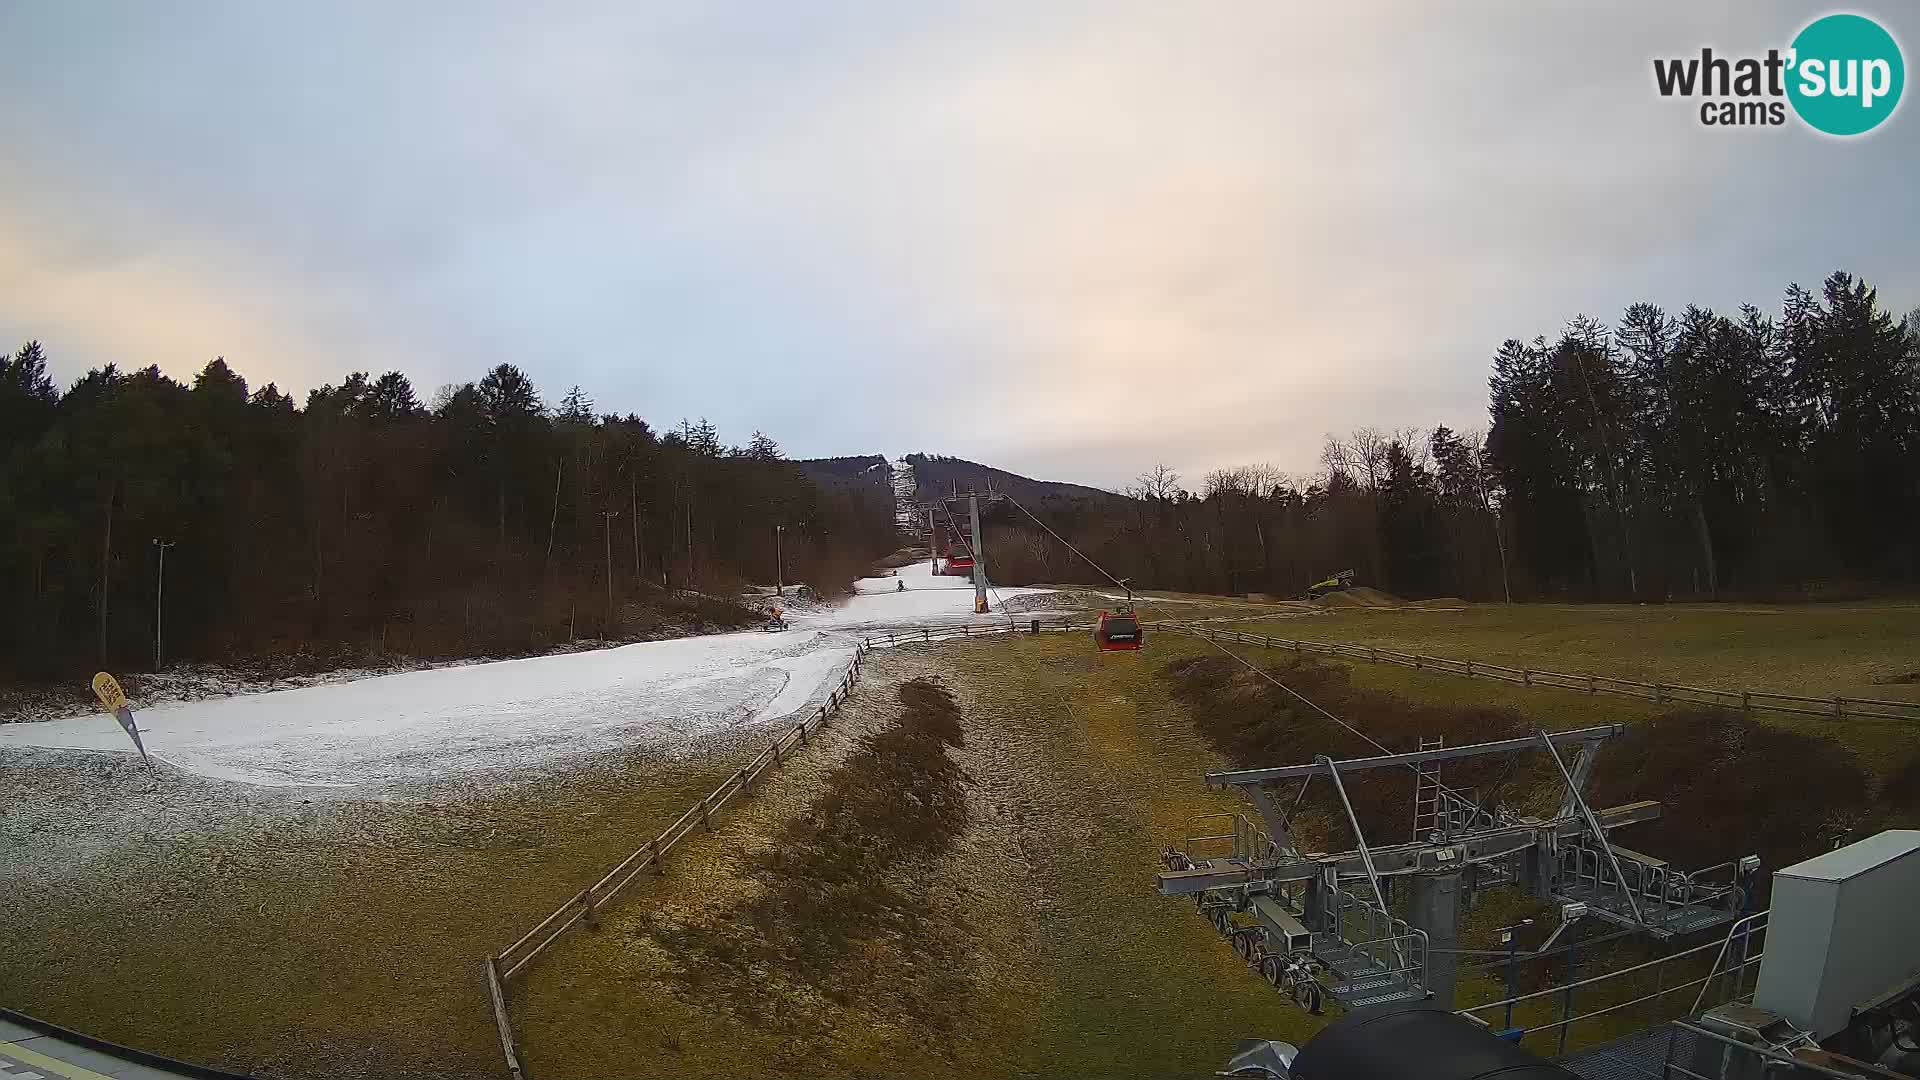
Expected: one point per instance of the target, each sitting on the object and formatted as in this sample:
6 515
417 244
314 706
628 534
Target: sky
1070 240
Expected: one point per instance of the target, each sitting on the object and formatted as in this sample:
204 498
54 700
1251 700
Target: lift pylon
1329 917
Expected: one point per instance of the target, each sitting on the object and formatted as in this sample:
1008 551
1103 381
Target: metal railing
1745 931
1837 707
585 906
1248 841
1662 888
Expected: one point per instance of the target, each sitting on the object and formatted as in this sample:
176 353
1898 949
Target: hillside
937 475
866 473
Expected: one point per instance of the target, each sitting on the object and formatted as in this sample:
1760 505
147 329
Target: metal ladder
1428 814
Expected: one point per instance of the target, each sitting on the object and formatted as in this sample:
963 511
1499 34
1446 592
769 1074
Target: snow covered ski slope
425 725
421 725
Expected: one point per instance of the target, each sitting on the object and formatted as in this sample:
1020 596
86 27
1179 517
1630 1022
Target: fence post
1526 676
659 861
1373 654
590 916
1746 701
500 1017
706 812
1659 694
1839 706
1590 686
1416 661
1296 646
1469 669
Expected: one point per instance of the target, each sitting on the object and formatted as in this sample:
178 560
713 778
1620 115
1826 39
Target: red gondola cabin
1117 631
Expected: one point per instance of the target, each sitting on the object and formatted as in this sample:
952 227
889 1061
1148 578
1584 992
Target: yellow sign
112 698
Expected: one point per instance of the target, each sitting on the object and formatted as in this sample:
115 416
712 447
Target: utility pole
1499 533
633 497
159 597
979 557
933 546
609 515
779 563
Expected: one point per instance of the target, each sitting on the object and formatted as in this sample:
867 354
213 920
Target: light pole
1569 914
609 515
779 563
159 596
1512 943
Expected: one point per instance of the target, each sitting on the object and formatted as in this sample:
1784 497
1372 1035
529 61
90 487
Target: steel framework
1323 925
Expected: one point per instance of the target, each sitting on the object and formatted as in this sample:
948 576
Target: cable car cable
972 555
1249 665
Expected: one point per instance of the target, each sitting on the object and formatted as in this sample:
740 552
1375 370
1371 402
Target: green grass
346 945
1806 649
1809 649
1135 983
1068 963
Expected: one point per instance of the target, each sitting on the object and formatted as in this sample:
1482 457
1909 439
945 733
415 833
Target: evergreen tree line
1691 456
482 522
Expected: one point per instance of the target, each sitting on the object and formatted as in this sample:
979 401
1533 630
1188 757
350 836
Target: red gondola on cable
1119 631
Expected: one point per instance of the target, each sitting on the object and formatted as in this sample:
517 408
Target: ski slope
425 725
928 600
422 725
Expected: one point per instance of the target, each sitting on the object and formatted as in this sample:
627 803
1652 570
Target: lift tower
979 556
1325 924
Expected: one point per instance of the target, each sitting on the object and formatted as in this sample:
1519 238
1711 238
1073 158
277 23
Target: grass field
336 939
1031 943
1807 649
1080 770
1065 962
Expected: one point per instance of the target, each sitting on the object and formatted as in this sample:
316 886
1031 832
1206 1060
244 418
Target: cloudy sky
1071 240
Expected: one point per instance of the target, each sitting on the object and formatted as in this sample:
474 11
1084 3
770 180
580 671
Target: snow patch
423 725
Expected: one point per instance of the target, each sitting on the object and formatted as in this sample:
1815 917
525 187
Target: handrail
1518 998
1725 943
1593 823
1360 840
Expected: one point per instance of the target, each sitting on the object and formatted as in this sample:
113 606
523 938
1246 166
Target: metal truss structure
1326 925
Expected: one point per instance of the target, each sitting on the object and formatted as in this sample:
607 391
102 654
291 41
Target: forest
483 522
1695 456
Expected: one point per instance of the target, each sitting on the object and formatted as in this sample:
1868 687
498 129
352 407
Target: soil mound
1359 597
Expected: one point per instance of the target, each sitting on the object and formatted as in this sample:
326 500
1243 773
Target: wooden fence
1836 707
585 905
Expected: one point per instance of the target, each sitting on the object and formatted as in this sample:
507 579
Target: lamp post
159 597
1511 941
1569 914
779 563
